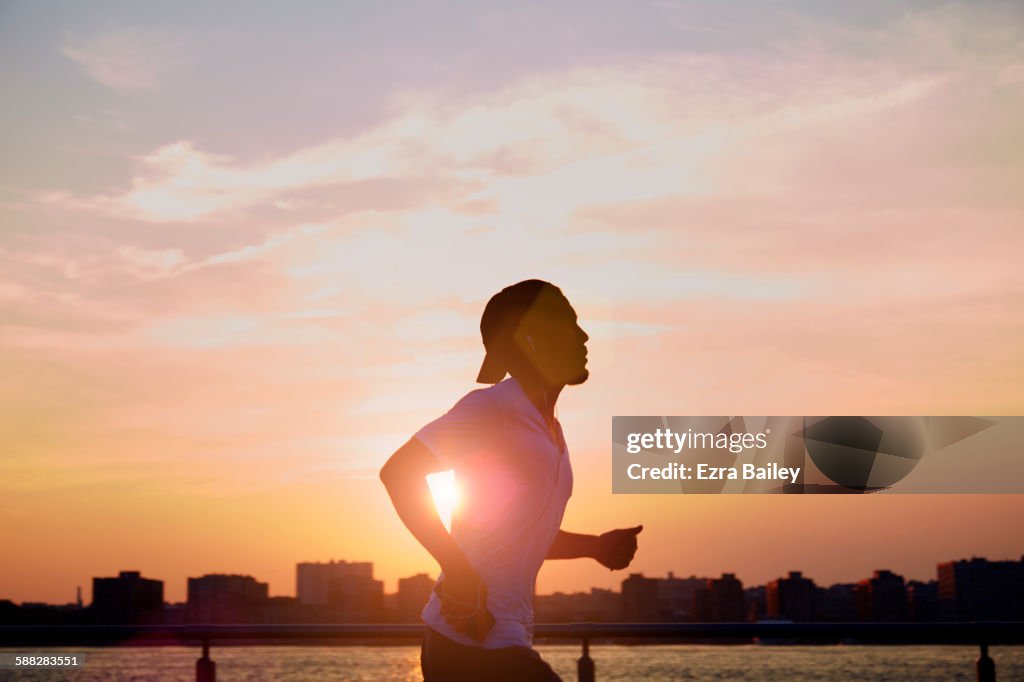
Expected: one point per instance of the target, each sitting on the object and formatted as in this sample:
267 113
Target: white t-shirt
514 483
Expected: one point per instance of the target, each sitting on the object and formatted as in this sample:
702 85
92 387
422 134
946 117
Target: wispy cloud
128 58
681 200
1012 74
553 144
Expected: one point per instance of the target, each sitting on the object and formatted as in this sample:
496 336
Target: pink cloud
127 59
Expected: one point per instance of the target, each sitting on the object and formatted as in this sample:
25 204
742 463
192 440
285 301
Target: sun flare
446 495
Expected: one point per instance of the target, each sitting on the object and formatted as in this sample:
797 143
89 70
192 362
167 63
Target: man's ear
523 342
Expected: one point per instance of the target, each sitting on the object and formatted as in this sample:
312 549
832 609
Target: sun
446 495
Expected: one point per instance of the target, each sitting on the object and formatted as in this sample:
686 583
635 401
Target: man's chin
579 378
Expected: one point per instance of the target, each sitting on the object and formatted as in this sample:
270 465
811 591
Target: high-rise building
882 598
922 601
754 603
679 598
979 589
356 600
312 580
838 603
413 593
128 599
721 600
794 598
639 599
219 598
347 590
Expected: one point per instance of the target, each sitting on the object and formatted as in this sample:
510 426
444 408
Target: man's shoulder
496 399
502 393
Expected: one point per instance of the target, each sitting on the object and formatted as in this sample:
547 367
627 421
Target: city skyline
974 589
623 576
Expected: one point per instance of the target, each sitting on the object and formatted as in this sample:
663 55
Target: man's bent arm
405 477
614 549
568 545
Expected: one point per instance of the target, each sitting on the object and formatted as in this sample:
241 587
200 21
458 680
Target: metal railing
981 634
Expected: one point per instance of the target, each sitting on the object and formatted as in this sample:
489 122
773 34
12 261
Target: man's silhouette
512 467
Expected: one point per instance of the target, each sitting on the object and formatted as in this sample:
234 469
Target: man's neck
542 395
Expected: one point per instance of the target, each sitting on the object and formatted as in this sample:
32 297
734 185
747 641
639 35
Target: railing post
585 666
206 670
986 666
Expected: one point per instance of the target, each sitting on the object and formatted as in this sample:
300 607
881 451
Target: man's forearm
415 507
572 546
404 476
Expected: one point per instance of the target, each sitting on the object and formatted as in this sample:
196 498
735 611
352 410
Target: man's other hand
464 602
616 548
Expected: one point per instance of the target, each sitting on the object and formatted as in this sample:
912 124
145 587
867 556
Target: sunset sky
244 251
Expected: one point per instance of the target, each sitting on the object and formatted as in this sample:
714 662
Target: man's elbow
410 462
387 473
395 469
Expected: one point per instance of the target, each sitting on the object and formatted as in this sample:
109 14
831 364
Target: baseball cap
501 318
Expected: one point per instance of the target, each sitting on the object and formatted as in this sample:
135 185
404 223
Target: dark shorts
446 661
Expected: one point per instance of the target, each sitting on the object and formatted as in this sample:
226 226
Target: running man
512 467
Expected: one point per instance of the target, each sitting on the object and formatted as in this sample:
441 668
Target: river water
614 663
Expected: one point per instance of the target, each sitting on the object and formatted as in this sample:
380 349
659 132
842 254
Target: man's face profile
551 339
